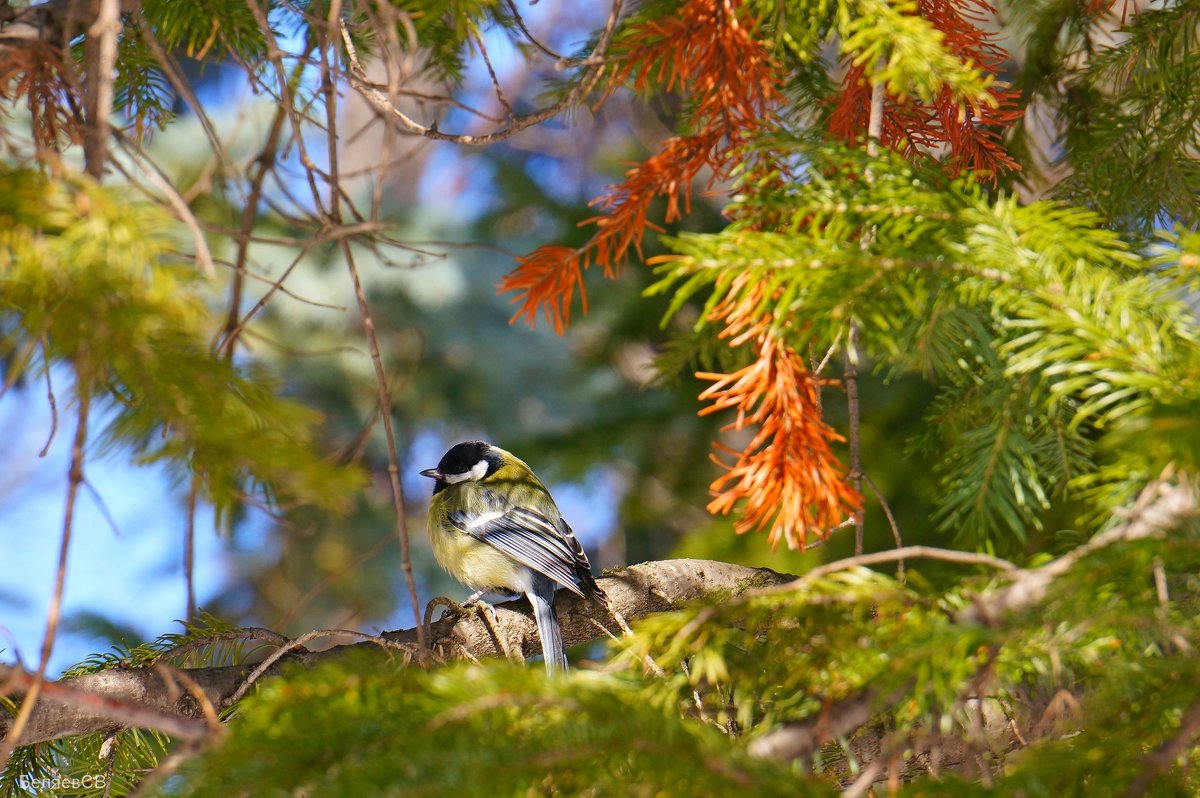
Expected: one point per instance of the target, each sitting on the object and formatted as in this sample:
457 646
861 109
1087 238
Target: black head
468 461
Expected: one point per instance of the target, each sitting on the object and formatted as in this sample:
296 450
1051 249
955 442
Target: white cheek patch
477 472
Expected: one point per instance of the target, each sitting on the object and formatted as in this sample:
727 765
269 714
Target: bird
496 529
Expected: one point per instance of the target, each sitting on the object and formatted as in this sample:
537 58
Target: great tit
495 528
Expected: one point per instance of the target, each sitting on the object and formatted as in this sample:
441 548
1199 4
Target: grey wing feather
532 540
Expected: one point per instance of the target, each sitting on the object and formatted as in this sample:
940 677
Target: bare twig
512 7
170 68
203 256
1161 506
49 397
361 83
874 558
869 775
189 547
874 129
101 49
856 474
838 719
904 553
887 510
103 507
262 166
487 62
329 67
1160 583
331 578
283 651
74 480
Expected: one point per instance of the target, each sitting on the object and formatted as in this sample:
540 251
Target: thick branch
142 695
635 592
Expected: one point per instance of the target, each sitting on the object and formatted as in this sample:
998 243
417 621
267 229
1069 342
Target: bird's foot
476 598
452 609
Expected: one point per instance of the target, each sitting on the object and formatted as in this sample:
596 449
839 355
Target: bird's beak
432 473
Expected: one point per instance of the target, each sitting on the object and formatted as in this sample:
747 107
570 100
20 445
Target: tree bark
136 696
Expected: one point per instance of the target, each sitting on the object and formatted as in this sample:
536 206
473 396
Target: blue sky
133 574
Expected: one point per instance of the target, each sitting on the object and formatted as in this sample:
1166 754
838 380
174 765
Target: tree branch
1161 507
634 592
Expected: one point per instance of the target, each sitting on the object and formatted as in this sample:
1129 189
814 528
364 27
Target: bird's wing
528 537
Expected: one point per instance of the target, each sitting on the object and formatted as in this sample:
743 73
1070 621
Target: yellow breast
474 563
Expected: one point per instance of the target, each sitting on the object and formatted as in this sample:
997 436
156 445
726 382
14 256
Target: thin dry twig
487 62
291 645
189 547
887 510
362 84
874 131
49 397
262 166
868 776
152 172
329 74
902 553
1160 506
74 480
512 7
170 69
850 378
331 578
101 58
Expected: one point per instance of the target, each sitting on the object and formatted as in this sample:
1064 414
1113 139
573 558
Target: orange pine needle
546 280
787 478
711 55
973 136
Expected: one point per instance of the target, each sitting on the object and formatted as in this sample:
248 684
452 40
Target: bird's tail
542 600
